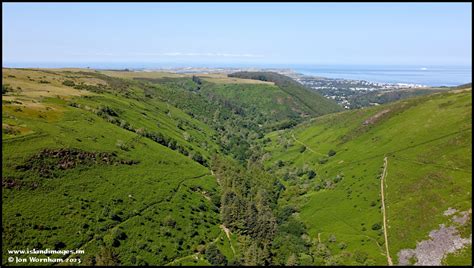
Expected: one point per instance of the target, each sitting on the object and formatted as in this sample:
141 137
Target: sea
446 75
422 75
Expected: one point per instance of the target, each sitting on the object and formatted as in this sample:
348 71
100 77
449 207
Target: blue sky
264 33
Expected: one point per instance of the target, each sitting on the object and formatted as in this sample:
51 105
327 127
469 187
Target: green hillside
122 161
332 169
313 103
154 168
112 172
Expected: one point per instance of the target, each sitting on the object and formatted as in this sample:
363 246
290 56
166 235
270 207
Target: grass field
427 141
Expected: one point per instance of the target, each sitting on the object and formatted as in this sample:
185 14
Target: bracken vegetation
149 168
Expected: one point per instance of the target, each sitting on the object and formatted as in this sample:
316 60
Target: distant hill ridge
314 103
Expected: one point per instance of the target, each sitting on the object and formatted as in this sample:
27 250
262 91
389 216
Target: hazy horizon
178 64
239 33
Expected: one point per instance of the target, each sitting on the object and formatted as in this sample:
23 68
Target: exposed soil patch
442 241
47 162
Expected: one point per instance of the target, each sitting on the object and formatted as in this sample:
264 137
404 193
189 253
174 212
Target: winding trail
194 255
385 163
197 255
227 232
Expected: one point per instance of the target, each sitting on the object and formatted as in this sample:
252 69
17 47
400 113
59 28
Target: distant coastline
424 75
420 75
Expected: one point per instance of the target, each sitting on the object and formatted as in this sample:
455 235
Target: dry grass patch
131 75
220 78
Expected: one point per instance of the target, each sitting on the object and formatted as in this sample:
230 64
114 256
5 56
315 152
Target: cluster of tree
249 206
112 84
183 83
284 124
111 116
237 128
173 145
99 88
238 125
291 239
248 198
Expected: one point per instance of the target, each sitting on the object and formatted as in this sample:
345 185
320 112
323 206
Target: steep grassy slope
427 142
365 100
82 170
310 101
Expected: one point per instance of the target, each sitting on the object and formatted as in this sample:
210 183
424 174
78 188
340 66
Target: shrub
323 161
69 83
115 217
170 222
6 88
302 149
186 136
280 163
120 144
10 130
318 187
198 158
214 255
285 213
59 245
376 226
196 80
106 111
342 245
360 256
299 172
202 207
119 234
115 243
331 153
311 174
322 251
107 257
